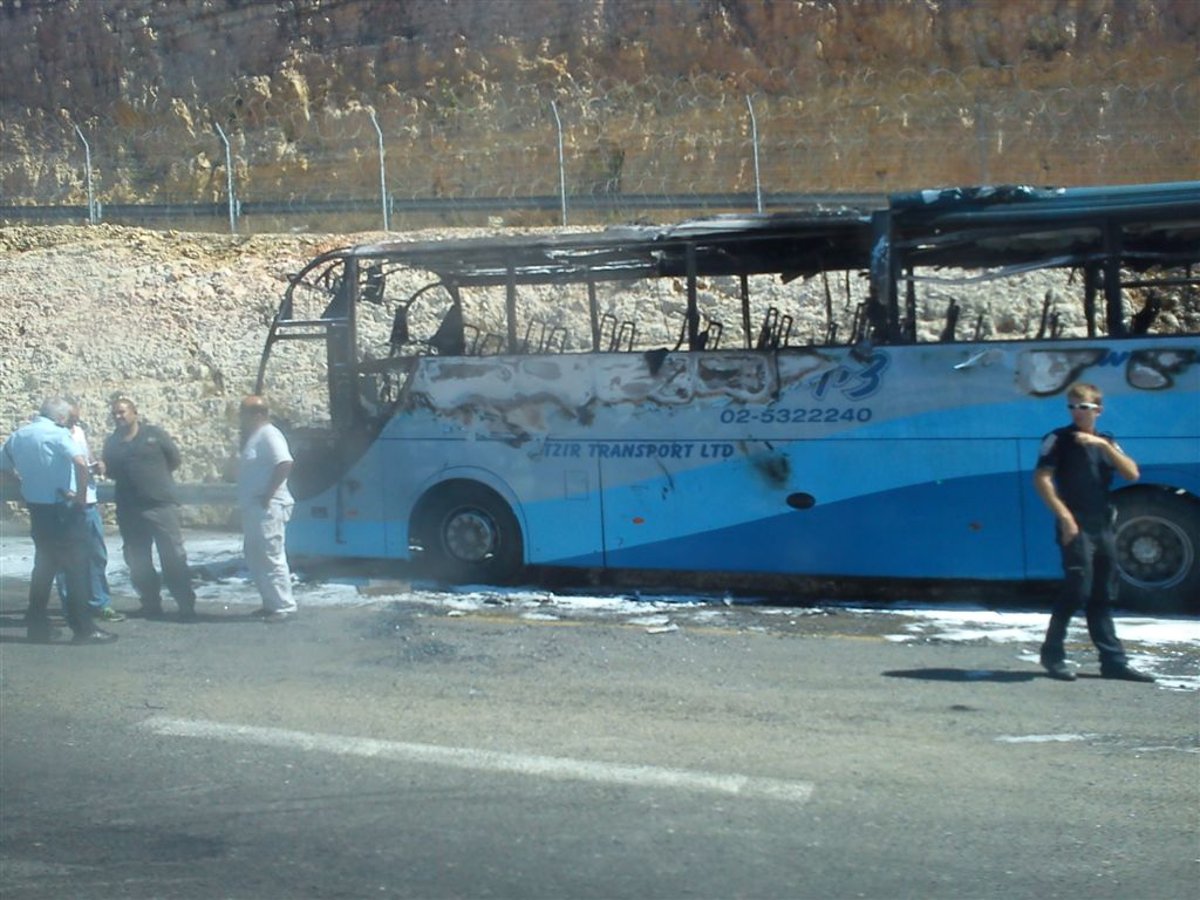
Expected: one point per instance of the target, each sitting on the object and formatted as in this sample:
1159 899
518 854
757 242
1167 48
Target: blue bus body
879 457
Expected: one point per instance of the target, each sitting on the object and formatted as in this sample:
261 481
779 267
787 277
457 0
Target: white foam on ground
1155 643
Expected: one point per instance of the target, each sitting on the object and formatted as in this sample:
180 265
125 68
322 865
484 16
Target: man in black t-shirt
1075 468
140 459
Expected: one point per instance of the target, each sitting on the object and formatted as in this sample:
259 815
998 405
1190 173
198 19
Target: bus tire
469 534
1158 550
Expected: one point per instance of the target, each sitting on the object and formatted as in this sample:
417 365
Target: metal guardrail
623 203
194 494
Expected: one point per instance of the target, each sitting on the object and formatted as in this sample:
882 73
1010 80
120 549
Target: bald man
266 505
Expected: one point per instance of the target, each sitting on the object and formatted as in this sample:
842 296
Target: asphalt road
395 750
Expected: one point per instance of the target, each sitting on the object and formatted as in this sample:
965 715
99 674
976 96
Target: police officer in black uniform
1075 468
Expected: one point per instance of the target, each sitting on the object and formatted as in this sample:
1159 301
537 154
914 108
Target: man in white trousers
266 505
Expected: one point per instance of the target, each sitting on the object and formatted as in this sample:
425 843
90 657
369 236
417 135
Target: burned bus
826 393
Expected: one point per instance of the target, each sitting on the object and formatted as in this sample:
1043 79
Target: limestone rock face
172 321
147 80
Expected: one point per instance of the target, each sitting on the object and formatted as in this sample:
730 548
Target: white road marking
1044 738
559 768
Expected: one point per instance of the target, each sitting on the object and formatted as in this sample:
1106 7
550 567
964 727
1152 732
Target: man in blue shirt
54 478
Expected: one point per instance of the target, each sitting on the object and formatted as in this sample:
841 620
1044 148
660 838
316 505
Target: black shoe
94 637
151 611
1059 671
187 614
1124 673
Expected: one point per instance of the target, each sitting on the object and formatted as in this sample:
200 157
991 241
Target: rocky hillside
173 321
851 95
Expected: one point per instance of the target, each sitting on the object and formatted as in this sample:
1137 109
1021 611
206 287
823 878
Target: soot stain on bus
1151 370
1048 372
774 466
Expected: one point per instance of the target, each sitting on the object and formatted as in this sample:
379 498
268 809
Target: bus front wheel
1158 550
468 533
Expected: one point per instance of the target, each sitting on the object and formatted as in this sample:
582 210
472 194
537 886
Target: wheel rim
1153 552
469 535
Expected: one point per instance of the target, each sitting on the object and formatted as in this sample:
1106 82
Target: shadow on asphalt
11 619
965 675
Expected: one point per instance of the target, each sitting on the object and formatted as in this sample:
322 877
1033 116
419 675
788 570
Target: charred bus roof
993 231
1142 226
799 243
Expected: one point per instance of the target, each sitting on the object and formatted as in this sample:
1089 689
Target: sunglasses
1083 406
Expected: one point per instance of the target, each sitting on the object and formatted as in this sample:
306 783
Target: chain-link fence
260 159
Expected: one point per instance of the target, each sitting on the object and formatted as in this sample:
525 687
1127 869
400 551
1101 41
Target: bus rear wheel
468 533
1158 534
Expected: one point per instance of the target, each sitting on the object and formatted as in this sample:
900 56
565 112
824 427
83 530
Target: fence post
754 141
982 138
87 156
229 179
383 194
562 170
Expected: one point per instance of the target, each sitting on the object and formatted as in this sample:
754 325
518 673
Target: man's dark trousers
1090 567
156 526
60 538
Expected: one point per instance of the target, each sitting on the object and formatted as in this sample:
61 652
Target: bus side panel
544 487
934 508
412 465
498 415
560 501
348 518
1173 462
564 529
1042 559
